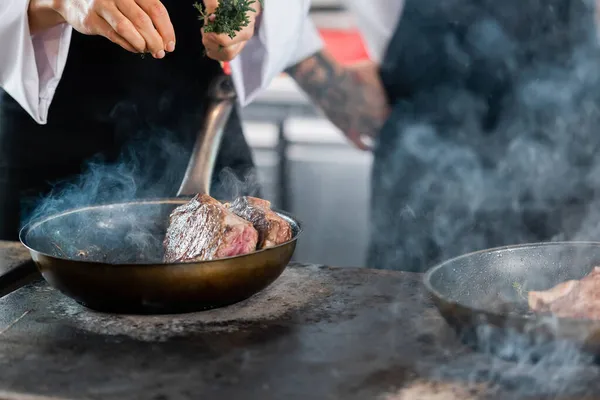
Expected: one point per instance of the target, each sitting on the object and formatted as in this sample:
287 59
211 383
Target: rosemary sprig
230 17
520 290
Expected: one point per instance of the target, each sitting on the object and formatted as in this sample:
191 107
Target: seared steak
272 229
204 229
570 299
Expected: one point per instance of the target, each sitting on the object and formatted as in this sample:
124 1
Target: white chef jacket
31 67
376 20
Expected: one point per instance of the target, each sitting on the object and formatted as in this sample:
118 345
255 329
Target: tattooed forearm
351 97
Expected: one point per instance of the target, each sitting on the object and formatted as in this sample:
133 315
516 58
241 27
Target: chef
484 117
75 88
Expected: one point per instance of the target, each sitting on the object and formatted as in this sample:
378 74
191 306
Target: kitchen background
305 164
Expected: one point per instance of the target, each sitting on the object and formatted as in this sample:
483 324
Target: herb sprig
521 292
231 16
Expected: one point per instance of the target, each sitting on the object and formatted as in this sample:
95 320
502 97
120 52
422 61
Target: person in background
75 87
352 97
484 118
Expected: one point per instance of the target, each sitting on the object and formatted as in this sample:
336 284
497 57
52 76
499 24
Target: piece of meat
204 229
570 299
272 229
540 301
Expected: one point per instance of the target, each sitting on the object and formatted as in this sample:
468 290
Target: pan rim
437 267
37 222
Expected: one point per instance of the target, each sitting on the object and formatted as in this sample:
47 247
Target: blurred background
306 165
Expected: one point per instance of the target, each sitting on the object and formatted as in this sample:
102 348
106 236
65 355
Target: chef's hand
136 25
222 47
367 79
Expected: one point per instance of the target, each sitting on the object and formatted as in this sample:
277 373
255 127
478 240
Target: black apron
112 106
493 138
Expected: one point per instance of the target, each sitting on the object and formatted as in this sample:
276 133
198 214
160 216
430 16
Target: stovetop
317 332
16 267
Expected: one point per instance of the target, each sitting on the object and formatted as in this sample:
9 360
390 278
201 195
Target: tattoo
353 99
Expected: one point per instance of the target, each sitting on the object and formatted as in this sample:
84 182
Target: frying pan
109 257
483 296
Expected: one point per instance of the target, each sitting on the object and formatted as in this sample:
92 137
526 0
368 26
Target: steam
497 144
515 366
143 170
506 363
151 166
230 184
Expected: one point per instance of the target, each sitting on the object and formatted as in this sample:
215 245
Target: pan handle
197 178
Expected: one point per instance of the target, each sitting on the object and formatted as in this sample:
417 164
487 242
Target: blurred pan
483 296
109 257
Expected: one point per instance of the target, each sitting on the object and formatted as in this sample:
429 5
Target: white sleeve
30 67
376 23
285 36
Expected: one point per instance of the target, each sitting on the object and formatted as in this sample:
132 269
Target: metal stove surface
317 332
16 267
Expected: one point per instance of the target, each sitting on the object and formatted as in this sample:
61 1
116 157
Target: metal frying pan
109 257
483 296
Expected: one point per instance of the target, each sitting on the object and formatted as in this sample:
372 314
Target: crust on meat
272 229
203 229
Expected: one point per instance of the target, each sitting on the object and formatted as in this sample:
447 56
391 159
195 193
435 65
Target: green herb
520 290
230 17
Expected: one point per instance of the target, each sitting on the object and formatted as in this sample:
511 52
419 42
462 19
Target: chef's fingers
142 22
123 27
368 142
210 6
161 20
361 145
360 142
224 40
103 28
220 53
